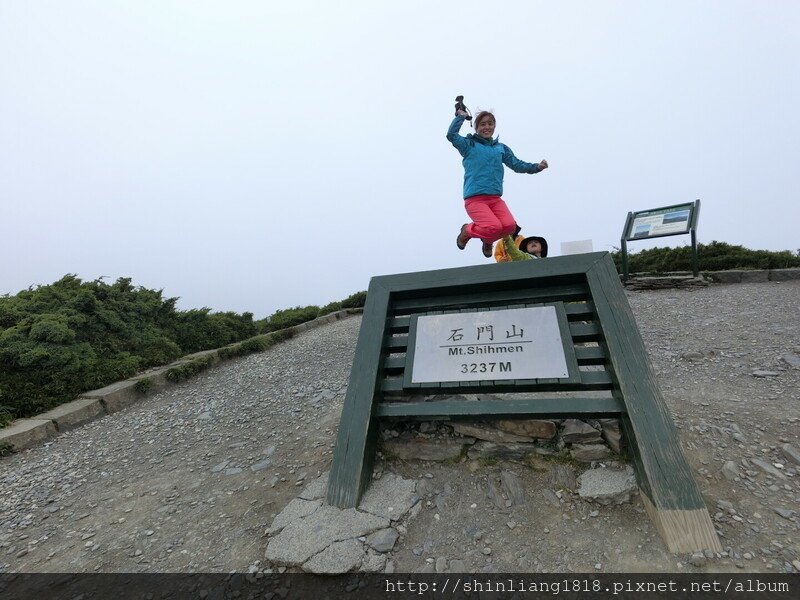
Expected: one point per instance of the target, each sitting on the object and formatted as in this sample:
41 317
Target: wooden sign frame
608 349
629 233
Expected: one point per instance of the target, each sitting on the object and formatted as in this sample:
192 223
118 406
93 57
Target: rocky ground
191 478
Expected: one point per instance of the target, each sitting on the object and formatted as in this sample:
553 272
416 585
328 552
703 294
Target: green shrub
6 415
190 369
281 336
256 344
289 317
330 308
716 256
62 339
144 385
356 300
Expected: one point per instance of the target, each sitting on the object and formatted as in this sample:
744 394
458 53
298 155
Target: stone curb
24 433
752 275
94 404
75 413
732 276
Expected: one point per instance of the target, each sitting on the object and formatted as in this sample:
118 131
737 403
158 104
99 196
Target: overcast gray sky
258 155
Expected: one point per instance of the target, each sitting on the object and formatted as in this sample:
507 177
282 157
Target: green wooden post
693 230
355 445
670 492
624 246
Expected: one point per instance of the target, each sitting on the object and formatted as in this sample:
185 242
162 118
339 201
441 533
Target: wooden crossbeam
556 407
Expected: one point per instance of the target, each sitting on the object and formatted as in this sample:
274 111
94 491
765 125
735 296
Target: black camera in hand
460 106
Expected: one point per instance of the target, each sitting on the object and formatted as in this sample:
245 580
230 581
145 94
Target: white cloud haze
252 156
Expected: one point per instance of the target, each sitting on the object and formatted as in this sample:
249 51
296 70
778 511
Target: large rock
589 452
514 452
793 360
303 538
512 487
730 471
316 489
421 449
339 557
534 428
373 562
563 477
791 453
607 486
488 433
296 509
612 433
767 468
389 497
577 431
383 540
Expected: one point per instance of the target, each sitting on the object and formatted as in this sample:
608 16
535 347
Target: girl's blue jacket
483 162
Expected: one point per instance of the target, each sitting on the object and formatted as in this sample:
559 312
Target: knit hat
534 238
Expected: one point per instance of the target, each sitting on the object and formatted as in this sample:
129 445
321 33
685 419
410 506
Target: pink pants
491 218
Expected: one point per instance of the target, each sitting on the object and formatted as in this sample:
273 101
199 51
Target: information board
658 222
521 343
672 220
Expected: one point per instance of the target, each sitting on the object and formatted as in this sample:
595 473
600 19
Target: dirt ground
190 479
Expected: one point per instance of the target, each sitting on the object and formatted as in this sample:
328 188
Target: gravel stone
159 454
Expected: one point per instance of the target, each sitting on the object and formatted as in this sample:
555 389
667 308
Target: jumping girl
483 162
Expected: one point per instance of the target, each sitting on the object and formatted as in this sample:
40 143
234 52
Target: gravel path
190 479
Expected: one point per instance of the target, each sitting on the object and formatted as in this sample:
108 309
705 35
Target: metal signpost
659 222
557 337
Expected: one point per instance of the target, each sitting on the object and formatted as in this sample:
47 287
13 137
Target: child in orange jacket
534 245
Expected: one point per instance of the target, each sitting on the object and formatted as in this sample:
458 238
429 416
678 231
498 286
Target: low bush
716 256
190 369
62 339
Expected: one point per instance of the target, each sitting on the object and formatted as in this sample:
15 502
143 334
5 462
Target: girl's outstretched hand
543 164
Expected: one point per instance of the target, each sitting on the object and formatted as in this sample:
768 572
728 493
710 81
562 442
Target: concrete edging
95 404
753 276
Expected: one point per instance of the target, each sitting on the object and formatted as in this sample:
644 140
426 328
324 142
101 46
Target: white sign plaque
661 221
518 343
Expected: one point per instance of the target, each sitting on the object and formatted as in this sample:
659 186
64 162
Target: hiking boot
463 237
487 249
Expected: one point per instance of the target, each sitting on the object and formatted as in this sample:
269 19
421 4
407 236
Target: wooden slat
553 407
590 355
590 380
476 300
394 363
399 324
493 276
395 344
584 332
575 311
580 332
